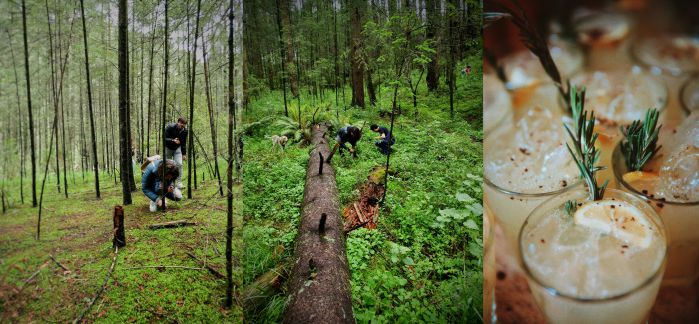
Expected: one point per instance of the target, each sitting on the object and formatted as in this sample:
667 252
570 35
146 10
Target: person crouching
152 183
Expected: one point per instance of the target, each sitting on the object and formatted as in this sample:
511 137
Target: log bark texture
119 233
319 289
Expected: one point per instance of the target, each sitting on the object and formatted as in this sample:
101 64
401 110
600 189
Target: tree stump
119 233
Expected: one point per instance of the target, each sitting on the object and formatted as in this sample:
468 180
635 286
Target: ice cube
679 173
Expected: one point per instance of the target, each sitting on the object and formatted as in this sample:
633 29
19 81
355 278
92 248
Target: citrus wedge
617 218
634 176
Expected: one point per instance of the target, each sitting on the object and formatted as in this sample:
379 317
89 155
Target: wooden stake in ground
319 285
119 233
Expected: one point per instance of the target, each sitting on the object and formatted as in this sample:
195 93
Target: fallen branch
177 223
58 263
101 290
211 269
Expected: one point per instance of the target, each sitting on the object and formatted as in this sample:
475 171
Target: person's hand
170 189
184 157
159 202
176 140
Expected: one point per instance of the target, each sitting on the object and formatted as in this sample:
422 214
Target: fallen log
319 289
172 224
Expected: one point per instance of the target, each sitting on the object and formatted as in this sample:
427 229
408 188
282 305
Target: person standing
176 146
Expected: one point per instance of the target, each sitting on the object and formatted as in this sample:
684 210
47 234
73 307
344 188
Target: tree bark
433 67
356 55
283 6
119 239
124 149
164 107
229 170
29 102
19 120
281 55
95 164
319 255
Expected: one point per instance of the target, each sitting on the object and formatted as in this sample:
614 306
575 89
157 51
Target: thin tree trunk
150 83
29 101
229 170
89 104
19 118
124 149
281 55
164 107
283 6
191 104
54 96
212 125
433 66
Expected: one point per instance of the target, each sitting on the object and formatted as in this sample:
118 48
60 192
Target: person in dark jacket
152 184
176 145
385 139
348 134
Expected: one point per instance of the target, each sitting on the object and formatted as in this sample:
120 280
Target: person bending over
347 134
385 139
176 146
152 183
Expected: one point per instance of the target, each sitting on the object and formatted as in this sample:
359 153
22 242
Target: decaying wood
209 267
256 294
119 233
80 317
326 296
177 223
359 213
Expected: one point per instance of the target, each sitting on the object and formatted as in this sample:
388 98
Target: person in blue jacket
385 139
153 186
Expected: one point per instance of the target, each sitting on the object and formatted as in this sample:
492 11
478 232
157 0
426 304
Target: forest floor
77 233
423 261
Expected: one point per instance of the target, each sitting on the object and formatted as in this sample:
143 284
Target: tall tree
285 12
95 164
229 170
357 65
191 104
19 116
164 107
124 149
212 124
29 101
433 17
281 54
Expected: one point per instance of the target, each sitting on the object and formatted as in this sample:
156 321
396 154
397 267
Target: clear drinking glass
618 98
580 275
670 54
497 105
524 165
689 94
681 220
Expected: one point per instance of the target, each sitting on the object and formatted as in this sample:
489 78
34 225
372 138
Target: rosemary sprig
641 140
584 152
533 40
571 206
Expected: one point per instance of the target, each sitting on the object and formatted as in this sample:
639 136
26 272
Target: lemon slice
633 176
617 218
